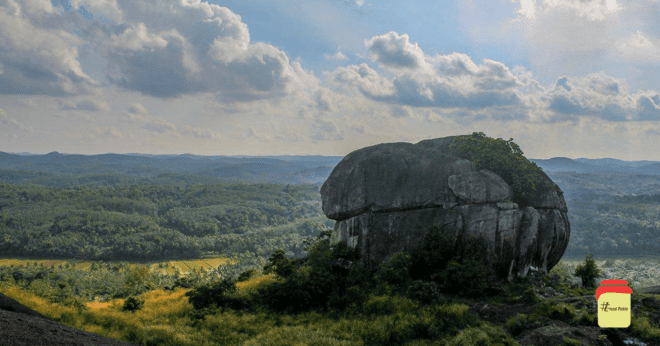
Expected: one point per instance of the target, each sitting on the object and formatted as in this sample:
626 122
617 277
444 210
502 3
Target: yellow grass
183 267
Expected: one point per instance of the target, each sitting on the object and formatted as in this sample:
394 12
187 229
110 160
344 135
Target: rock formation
386 197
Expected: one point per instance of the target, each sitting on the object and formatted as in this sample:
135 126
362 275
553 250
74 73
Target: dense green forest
119 216
614 225
158 221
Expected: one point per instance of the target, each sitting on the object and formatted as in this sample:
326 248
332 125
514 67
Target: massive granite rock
386 197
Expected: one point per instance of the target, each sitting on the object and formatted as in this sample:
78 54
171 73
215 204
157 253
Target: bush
530 297
426 293
504 158
469 274
133 303
588 271
396 271
214 293
432 255
246 275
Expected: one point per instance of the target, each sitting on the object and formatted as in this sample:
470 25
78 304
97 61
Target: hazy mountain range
276 169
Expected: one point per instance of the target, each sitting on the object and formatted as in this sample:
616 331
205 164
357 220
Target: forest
116 216
157 222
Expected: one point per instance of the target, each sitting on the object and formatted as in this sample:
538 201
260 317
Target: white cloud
447 81
591 9
339 56
600 96
363 78
158 125
396 52
527 8
85 105
138 109
199 132
36 55
109 131
164 49
11 127
326 130
638 46
171 48
359 2
107 8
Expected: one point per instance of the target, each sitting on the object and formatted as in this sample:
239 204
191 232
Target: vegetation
373 308
504 158
157 222
588 272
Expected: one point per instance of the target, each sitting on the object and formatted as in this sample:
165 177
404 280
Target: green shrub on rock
502 157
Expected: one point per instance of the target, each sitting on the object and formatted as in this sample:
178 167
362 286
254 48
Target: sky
568 78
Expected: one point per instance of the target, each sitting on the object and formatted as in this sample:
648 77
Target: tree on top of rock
502 157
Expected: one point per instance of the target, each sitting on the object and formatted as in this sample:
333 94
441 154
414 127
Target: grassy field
165 268
168 318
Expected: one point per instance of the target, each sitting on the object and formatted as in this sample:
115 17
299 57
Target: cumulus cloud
639 47
171 48
36 56
164 49
363 78
339 56
324 130
395 51
601 96
447 81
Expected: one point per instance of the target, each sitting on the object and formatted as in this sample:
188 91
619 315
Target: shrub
132 304
396 271
279 264
502 157
433 254
425 292
214 294
469 274
588 271
246 275
530 297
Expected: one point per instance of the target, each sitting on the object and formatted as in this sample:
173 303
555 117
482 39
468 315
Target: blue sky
574 78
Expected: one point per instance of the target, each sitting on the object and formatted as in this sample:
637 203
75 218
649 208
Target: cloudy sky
573 78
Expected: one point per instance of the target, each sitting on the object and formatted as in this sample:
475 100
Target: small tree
588 271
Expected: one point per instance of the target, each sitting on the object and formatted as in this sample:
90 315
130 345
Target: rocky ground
549 331
21 326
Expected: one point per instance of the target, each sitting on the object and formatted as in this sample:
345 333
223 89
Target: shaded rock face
386 197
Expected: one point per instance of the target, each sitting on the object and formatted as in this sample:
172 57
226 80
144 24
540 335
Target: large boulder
386 197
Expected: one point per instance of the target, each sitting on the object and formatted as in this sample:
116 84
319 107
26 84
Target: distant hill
605 165
285 169
282 169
